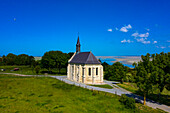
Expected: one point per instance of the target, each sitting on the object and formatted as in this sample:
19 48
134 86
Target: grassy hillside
43 95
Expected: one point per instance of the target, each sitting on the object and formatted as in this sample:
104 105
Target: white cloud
140 35
110 30
144 35
143 40
123 29
154 42
129 26
162 47
128 41
116 28
135 34
146 42
140 39
168 46
126 28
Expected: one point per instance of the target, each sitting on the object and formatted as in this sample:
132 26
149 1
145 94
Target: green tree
143 80
24 59
1 63
37 69
105 65
70 54
117 71
153 70
161 69
54 59
4 60
10 59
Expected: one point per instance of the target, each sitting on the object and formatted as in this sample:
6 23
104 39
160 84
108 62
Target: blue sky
106 27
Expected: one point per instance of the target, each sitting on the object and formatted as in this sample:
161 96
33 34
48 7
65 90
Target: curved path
116 90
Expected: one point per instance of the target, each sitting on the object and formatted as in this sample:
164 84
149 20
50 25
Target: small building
84 67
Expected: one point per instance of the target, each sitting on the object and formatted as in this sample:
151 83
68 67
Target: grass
103 86
27 70
129 86
49 95
164 98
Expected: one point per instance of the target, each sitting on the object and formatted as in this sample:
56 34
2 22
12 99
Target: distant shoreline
126 60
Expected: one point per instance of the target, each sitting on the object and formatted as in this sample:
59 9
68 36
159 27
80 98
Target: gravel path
116 90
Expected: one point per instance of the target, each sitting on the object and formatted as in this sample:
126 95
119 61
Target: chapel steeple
78 45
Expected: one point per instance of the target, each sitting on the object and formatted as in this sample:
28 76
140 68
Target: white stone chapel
83 67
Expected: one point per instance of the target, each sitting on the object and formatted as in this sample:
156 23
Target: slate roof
85 58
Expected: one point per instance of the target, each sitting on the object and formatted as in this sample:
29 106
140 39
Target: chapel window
83 71
96 71
89 71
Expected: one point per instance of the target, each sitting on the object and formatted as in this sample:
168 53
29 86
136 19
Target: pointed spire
78 41
78 45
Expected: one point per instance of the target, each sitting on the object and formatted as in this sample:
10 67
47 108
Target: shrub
37 69
127 101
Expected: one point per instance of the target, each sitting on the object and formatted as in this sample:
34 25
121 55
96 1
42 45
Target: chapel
84 67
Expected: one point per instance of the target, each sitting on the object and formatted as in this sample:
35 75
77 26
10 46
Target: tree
105 65
161 69
54 59
37 69
70 54
4 60
10 59
24 59
34 64
1 63
117 71
143 80
153 70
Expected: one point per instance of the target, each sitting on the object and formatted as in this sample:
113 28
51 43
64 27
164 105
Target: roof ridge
88 56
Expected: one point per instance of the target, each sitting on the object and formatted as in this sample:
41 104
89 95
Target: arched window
96 71
89 71
83 71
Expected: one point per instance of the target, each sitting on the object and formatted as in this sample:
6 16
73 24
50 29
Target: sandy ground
127 59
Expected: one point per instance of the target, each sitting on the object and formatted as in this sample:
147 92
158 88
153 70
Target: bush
127 101
37 69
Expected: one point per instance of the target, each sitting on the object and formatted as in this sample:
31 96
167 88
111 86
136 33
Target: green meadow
49 95
27 70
